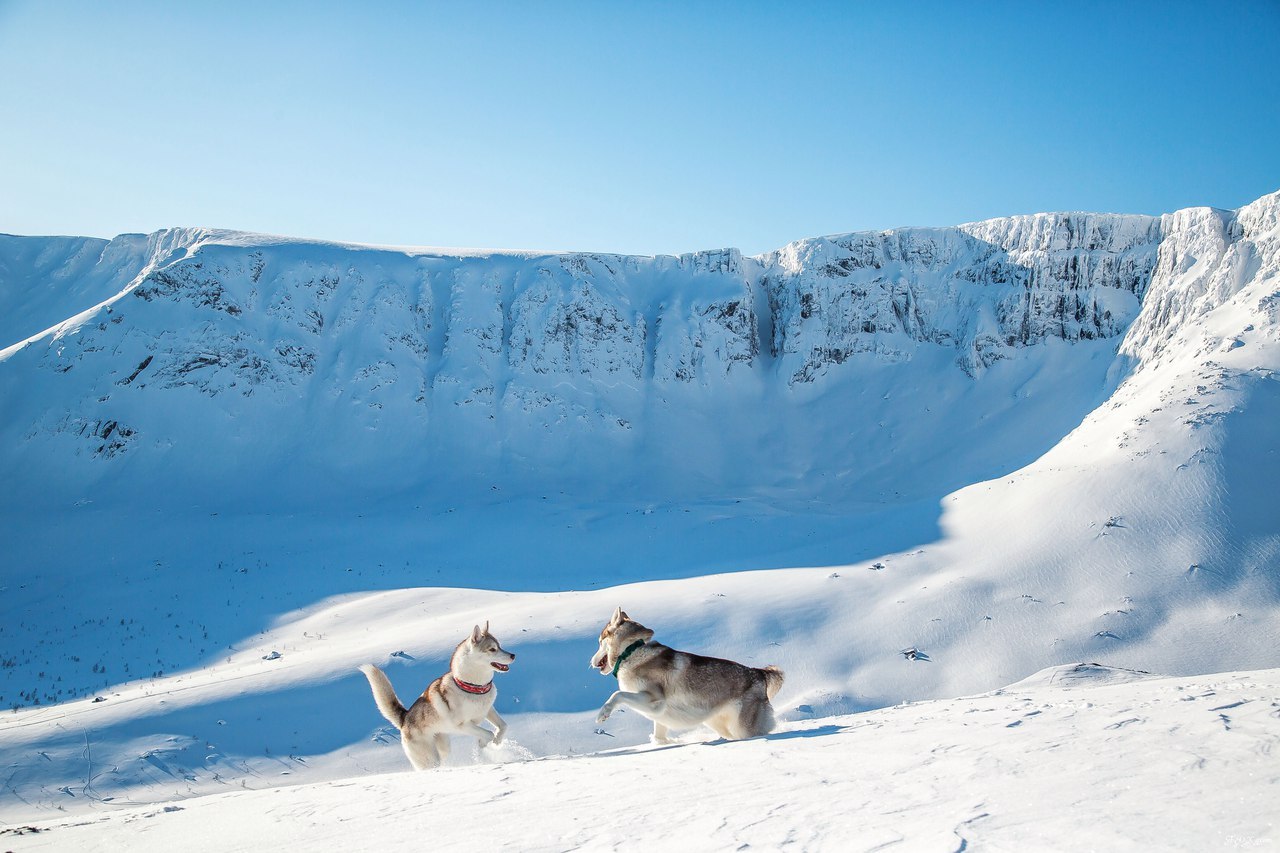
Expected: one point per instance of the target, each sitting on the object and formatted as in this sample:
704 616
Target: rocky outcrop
1206 257
981 288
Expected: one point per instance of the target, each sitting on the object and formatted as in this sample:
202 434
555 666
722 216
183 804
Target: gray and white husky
680 690
453 704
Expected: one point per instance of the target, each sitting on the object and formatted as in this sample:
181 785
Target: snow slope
1006 445
1079 757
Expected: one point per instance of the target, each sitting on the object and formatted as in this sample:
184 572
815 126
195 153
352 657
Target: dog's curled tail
385 695
773 678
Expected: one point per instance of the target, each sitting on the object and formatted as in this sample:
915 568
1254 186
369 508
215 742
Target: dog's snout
513 655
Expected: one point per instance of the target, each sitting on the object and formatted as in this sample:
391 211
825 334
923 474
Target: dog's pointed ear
486 627
618 616
476 635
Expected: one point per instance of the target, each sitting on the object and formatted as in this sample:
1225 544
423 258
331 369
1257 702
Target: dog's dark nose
513 657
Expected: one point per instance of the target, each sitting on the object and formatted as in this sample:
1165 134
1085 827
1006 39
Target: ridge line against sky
649 128
219 235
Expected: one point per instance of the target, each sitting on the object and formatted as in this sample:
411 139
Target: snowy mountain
426 365
1008 445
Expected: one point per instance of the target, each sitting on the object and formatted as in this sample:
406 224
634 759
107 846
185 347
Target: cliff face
192 337
1207 257
981 289
264 311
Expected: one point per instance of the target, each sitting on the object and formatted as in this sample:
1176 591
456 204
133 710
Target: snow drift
1086 757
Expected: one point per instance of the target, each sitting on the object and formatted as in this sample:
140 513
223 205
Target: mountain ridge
484 349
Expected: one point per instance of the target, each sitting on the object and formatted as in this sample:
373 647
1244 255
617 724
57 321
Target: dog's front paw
604 714
487 741
498 736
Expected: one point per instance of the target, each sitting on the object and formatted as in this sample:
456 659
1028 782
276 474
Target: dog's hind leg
660 733
721 724
752 717
421 751
765 722
442 747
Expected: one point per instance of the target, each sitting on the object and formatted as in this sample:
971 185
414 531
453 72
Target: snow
1077 757
237 467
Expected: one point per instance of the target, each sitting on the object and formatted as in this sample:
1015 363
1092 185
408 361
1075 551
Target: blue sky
633 127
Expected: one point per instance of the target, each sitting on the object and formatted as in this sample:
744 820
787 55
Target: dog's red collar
479 689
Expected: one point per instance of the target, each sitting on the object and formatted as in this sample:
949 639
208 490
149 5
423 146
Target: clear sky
634 127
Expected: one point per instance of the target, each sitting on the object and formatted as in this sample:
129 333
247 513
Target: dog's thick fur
680 690
444 708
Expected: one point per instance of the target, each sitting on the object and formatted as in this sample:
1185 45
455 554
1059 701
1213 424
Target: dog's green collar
631 648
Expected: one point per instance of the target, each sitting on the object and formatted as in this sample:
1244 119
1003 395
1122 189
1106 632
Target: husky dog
681 690
454 703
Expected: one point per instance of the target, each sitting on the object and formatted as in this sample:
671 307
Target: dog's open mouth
604 664
500 667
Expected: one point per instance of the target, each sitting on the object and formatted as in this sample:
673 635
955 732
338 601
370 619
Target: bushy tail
773 678
385 695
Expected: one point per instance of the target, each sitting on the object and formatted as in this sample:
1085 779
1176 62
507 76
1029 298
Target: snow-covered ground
239 466
1075 758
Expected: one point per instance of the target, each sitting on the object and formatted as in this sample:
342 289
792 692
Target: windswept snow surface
1077 758
901 465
